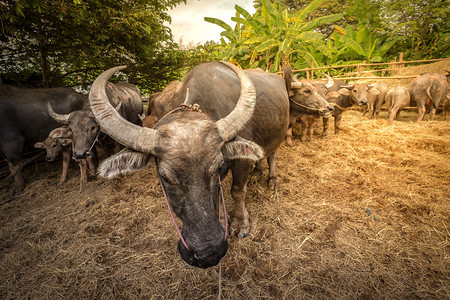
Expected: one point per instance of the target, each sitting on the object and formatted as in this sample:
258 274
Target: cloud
188 23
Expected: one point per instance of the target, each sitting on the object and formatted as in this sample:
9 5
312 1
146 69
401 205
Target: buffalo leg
311 131
325 127
304 131
421 110
289 136
393 114
240 224
432 113
337 123
91 166
19 180
272 181
66 160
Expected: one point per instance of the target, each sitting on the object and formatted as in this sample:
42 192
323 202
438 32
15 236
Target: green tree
71 41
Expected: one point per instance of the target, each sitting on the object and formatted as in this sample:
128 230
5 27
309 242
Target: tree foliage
68 42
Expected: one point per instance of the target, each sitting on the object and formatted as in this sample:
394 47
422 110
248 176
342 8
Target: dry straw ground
361 215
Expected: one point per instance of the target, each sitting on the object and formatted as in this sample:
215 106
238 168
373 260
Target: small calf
60 141
396 99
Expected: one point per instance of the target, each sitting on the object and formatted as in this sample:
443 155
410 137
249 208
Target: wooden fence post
361 68
312 71
400 66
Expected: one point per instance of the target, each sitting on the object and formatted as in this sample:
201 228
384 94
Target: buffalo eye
54 145
308 91
354 90
93 127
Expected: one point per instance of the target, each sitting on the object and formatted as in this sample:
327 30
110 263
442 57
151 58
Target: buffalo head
57 140
84 129
306 97
192 152
358 92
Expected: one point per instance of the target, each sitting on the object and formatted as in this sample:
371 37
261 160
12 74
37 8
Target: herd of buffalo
219 118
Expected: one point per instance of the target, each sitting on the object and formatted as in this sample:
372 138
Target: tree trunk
44 64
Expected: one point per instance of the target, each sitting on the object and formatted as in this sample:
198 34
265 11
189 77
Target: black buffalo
26 121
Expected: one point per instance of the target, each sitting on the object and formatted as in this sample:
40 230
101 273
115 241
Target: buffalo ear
240 148
125 161
344 91
374 91
39 145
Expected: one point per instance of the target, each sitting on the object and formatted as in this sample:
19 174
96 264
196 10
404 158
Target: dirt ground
360 215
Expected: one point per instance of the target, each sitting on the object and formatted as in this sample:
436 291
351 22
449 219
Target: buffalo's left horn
230 125
112 123
330 82
62 119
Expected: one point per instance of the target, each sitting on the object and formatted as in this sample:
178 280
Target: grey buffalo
224 124
428 90
397 99
86 132
26 121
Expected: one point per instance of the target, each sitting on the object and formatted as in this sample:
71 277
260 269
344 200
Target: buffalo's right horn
230 125
330 82
62 119
112 123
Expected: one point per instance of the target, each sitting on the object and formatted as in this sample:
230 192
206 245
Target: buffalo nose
364 101
80 154
48 157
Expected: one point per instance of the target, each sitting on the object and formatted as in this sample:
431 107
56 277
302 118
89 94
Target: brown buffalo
304 98
60 141
396 99
375 100
161 103
428 90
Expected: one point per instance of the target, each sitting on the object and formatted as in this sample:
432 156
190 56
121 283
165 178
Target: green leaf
267 45
302 14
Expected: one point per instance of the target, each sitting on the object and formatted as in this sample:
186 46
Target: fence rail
394 69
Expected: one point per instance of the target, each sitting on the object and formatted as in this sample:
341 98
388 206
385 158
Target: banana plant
275 37
360 45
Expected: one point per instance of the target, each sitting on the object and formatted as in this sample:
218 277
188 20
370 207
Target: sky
188 24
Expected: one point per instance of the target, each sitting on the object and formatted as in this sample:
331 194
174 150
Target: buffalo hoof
238 230
272 182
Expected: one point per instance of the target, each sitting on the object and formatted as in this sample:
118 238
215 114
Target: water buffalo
86 132
428 90
224 124
304 98
26 121
396 99
59 141
162 102
375 100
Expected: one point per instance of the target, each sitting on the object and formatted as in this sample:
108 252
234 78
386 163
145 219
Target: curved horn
62 119
330 82
241 114
139 138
